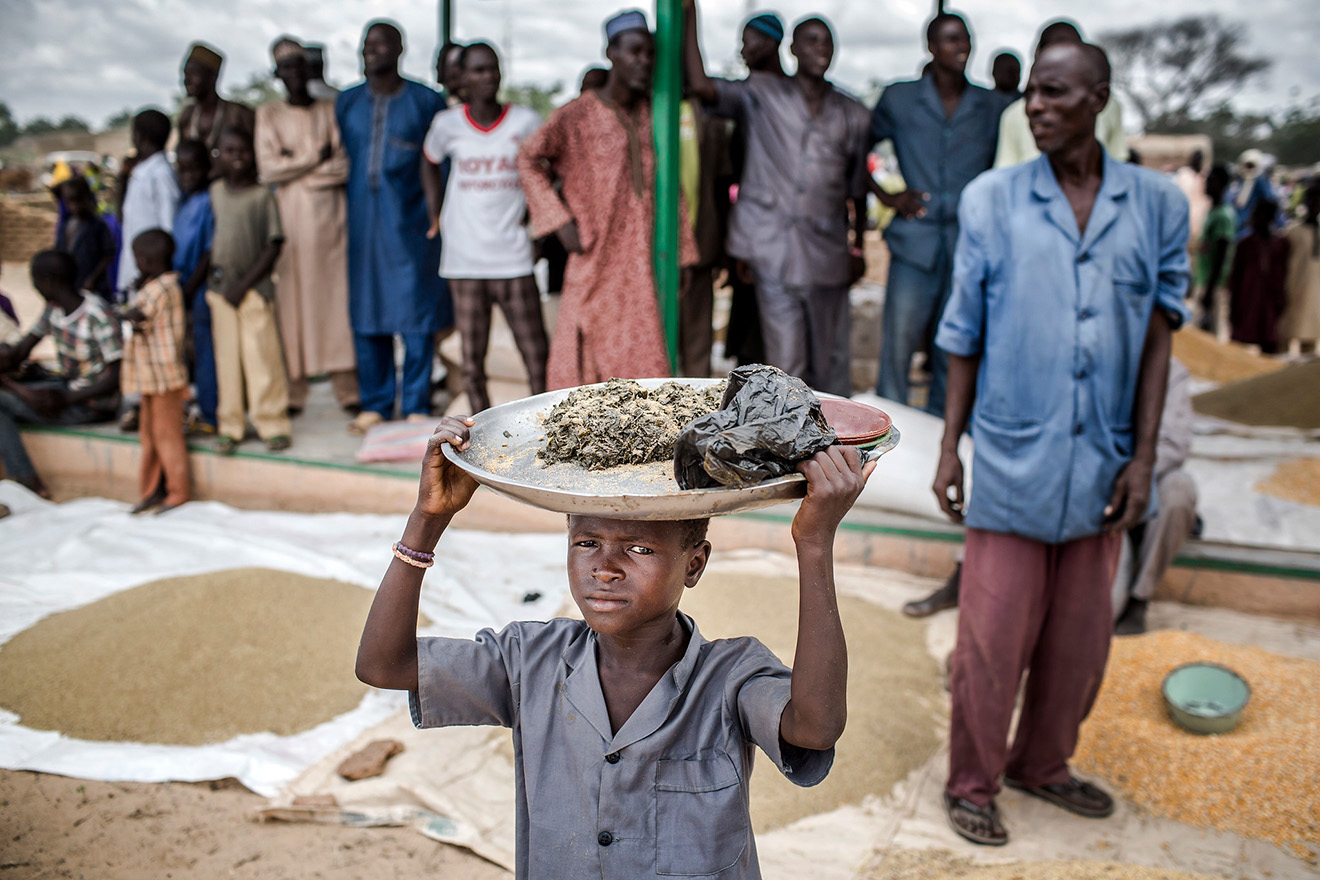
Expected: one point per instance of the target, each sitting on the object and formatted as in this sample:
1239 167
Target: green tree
122 119
540 99
1296 140
260 88
9 130
1171 70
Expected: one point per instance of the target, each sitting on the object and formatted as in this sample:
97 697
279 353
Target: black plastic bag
769 421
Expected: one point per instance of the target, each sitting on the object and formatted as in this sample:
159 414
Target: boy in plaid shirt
87 342
154 368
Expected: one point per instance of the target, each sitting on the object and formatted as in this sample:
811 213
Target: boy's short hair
933 27
54 265
79 184
694 531
153 126
155 243
193 150
236 131
475 46
810 20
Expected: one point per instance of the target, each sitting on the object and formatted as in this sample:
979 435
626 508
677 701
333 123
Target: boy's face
78 201
149 264
628 576
192 176
236 157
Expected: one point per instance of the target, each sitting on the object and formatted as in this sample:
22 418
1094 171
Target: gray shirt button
605 838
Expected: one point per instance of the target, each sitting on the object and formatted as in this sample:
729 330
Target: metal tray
502 456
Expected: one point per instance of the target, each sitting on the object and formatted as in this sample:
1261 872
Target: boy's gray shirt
667 795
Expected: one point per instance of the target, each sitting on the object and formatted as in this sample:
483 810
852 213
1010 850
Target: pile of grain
1294 480
191 660
895 697
941 865
1262 780
1207 358
1288 398
621 422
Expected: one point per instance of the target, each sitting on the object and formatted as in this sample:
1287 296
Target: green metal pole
446 21
668 92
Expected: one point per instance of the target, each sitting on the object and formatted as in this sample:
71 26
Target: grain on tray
191 660
621 422
1262 780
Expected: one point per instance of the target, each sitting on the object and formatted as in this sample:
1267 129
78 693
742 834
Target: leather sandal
977 824
1075 796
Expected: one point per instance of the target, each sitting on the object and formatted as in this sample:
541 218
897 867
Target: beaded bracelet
415 558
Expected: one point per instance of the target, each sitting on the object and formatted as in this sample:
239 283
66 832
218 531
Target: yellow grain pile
191 660
943 865
1262 780
1207 358
1294 480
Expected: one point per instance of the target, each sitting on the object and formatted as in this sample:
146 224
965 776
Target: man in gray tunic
807 144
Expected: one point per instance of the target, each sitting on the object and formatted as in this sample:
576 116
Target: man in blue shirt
1069 277
944 131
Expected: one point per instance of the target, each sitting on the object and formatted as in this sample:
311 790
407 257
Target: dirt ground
54 827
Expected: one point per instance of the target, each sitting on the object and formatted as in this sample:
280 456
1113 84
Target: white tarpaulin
61 556
1227 462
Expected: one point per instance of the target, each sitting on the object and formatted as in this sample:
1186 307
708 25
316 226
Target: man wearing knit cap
600 146
300 154
205 114
761 38
807 144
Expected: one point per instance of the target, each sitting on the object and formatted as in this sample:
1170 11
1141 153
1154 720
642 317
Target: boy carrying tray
633 735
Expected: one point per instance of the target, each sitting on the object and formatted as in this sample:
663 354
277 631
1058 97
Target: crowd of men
324 232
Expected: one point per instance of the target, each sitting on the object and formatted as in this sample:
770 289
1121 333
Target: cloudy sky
93 58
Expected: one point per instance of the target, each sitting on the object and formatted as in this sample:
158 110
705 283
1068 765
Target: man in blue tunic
394 287
1069 278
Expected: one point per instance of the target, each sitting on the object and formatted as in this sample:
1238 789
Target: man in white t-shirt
487 253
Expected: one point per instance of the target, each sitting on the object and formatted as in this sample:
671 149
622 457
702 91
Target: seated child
248 358
89 347
153 367
86 237
633 735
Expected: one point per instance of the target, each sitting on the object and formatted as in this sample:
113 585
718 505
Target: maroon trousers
1026 606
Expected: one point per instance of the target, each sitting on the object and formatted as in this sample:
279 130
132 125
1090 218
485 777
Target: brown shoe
1075 796
977 824
945 597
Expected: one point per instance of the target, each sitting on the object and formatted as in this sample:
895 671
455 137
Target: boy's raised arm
387 654
818 706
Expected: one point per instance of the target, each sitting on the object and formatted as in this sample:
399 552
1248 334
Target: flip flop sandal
225 445
1075 796
279 443
989 815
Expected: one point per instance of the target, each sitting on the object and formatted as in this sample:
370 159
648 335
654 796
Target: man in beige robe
299 152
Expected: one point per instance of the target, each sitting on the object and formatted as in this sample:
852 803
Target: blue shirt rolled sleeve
962 327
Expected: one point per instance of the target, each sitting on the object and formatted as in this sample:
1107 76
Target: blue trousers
914 302
208 394
378 382
14 411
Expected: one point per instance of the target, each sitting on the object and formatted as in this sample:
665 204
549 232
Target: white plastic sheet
61 556
1227 462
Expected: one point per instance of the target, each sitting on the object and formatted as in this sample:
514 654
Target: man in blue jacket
944 131
1069 278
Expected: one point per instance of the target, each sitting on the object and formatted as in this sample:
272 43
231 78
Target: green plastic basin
1205 697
